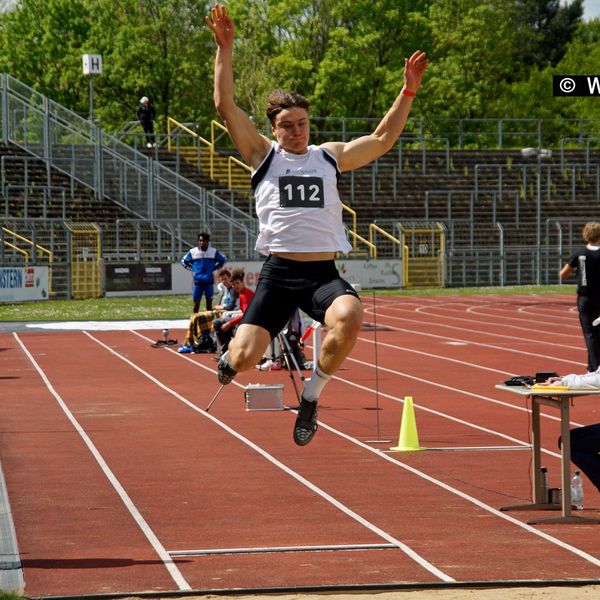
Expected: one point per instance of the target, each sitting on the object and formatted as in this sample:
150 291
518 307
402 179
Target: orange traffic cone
409 438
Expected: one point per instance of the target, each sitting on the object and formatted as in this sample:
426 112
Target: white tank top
297 202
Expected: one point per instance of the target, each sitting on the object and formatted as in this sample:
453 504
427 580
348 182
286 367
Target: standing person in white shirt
300 219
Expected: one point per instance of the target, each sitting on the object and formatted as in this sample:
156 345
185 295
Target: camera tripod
290 362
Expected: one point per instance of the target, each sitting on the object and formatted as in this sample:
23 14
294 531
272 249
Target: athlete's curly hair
278 100
591 232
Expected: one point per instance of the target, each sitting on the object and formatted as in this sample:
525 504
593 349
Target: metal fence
168 210
464 134
116 171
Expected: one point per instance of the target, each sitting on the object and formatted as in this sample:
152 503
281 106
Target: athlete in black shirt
586 261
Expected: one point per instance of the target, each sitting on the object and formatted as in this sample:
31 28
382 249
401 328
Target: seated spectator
585 441
587 380
199 336
224 326
227 298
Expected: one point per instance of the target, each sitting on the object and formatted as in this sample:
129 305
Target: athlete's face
292 129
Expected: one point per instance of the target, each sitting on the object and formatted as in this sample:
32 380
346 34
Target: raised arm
252 145
366 149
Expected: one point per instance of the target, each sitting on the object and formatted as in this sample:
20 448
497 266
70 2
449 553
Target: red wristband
406 92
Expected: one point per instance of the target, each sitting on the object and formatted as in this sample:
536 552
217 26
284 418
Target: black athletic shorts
285 285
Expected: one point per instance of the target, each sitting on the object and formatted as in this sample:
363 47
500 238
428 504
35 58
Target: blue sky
591 9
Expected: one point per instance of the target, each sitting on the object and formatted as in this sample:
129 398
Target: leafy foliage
489 59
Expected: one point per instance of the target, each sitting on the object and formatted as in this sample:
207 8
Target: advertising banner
372 273
125 278
23 283
156 279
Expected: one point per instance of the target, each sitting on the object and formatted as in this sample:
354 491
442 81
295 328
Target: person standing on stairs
146 115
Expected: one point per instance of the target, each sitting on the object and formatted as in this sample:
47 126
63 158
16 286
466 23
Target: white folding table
561 400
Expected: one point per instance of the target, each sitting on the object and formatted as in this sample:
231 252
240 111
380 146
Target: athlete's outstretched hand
414 67
221 25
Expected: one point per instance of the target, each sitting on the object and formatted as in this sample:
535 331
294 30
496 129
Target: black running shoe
225 372
306 422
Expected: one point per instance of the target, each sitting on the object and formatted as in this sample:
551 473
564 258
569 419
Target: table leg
539 502
565 434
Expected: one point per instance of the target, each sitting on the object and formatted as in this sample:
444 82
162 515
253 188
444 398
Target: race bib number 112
301 192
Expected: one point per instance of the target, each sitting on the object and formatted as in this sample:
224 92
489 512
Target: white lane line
437 356
444 386
317 490
568 547
417 406
458 391
577 551
421 380
178 578
439 321
480 344
444 415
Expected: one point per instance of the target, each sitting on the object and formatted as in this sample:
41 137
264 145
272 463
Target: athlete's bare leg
344 319
248 346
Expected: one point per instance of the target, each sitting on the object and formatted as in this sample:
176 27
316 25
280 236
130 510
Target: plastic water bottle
577 491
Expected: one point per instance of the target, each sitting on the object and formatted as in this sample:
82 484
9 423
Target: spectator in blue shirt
203 260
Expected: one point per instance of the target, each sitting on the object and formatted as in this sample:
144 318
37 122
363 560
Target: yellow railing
38 247
216 125
372 248
231 162
424 255
353 230
20 250
375 228
405 266
172 123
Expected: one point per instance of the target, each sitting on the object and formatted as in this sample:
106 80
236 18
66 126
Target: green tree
346 56
157 48
361 70
582 58
40 43
532 97
545 28
472 58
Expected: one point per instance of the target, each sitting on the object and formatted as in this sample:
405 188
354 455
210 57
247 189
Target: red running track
120 482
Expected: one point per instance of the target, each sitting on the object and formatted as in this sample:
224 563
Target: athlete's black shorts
285 285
